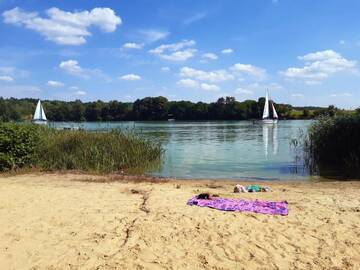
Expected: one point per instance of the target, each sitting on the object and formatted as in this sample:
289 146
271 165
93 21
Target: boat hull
269 121
39 122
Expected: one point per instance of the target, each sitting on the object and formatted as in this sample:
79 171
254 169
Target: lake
220 149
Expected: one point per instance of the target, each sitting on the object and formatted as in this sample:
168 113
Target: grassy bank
331 147
30 146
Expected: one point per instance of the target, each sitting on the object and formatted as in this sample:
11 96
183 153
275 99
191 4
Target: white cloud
55 84
245 91
80 93
297 95
257 87
131 45
209 87
256 72
76 91
180 51
61 27
72 67
6 78
210 76
165 69
209 56
190 83
152 35
319 56
341 95
9 73
130 77
227 51
319 66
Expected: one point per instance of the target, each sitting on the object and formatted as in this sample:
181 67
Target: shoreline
73 220
118 177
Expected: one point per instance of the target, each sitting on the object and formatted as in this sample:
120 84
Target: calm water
220 149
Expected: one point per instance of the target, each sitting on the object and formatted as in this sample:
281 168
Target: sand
70 221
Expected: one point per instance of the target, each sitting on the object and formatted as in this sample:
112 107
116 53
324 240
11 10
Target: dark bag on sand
203 196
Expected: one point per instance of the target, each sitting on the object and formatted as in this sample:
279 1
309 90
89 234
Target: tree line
151 108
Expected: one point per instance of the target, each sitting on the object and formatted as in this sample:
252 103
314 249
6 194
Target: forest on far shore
152 108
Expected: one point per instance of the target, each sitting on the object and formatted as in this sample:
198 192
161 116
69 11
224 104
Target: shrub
18 145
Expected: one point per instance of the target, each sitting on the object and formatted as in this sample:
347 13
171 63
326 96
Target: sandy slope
59 222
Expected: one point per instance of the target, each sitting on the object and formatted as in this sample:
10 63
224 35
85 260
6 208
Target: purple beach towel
257 206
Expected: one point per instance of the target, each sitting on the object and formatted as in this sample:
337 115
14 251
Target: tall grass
331 147
101 152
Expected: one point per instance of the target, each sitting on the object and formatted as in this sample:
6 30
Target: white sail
274 111
266 107
39 112
43 114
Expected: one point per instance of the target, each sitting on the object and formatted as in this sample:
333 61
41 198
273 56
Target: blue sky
305 52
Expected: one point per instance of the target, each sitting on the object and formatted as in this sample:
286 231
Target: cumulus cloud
130 77
245 91
255 72
209 87
180 51
209 56
131 45
319 66
62 27
257 87
190 83
227 51
6 78
210 76
55 84
73 67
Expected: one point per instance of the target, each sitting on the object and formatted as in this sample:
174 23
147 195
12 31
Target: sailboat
267 118
39 117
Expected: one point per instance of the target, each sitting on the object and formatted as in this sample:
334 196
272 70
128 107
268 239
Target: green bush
49 149
18 145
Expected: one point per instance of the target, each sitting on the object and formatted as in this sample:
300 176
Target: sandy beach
74 221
